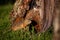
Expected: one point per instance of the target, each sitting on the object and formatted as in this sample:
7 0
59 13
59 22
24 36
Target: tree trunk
56 21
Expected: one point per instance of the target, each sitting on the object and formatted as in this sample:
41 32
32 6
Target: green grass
5 34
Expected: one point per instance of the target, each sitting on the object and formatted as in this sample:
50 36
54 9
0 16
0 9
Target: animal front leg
38 20
35 16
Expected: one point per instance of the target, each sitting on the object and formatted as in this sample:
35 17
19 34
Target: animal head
19 23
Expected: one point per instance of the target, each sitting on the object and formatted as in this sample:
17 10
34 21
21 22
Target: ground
6 34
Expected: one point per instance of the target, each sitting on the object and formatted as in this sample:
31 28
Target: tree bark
56 20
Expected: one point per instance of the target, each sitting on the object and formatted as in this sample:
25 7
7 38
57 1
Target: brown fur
38 13
33 14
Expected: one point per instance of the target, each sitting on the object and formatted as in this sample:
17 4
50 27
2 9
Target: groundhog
38 11
35 14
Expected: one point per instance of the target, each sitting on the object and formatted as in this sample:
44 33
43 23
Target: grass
5 34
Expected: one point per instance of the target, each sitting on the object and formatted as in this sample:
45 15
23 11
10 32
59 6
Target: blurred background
5 2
